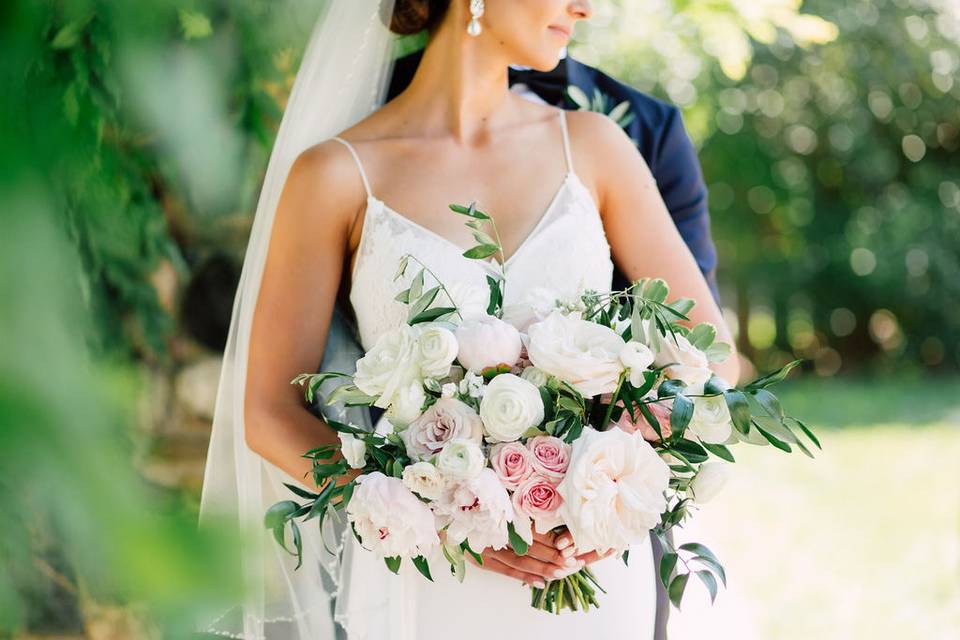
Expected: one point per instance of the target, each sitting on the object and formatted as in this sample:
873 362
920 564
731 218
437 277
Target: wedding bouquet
598 414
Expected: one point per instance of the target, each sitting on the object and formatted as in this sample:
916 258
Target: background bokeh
135 136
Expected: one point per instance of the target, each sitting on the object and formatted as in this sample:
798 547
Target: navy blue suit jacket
662 141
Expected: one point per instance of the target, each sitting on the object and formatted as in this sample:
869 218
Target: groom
662 141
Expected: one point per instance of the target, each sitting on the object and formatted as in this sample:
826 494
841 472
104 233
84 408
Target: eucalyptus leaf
677 587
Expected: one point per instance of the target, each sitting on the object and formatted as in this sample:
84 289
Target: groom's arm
676 168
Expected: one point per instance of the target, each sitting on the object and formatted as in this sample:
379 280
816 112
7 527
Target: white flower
510 406
535 376
461 459
691 365
354 450
407 404
438 349
424 479
613 492
711 420
448 390
536 305
445 420
390 364
471 385
710 479
477 510
583 353
486 341
389 519
470 300
636 357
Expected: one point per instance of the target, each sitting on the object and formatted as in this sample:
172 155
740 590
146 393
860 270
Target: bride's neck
459 89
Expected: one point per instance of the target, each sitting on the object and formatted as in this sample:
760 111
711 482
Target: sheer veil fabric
342 79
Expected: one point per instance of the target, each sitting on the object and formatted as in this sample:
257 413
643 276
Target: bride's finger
534 566
492 564
561 540
550 554
593 556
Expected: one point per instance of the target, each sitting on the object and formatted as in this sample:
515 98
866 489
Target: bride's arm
320 199
644 241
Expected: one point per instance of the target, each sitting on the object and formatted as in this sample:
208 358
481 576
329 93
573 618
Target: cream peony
461 460
582 353
613 491
423 479
477 510
354 450
407 404
636 357
391 364
487 341
437 350
389 519
691 365
446 419
710 479
509 407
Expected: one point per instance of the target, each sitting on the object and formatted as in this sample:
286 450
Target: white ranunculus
477 510
445 420
509 407
389 519
637 357
537 377
711 420
354 450
407 404
470 300
438 349
582 353
691 365
613 492
423 479
710 479
487 341
461 459
389 365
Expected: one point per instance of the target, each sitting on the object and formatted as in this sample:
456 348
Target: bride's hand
548 558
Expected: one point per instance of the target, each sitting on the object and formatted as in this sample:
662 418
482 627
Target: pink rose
512 463
537 498
659 411
551 457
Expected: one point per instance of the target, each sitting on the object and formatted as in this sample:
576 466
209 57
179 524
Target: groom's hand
551 556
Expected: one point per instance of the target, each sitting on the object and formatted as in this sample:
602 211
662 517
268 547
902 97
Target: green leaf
720 451
773 378
422 303
423 567
428 315
769 403
656 290
718 351
481 251
300 492
807 431
483 238
469 211
393 563
277 514
619 111
518 544
690 450
625 556
713 564
779 444
416 287
465 546
707 578
671 388
739 408
681 414
194 24
69 35
668 561
702 335
578 97
677 587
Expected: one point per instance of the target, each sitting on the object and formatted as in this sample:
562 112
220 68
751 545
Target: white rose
582 353
710 479
477 510
390 364
424 479
470 300
407 404
353 449
691 365
438 349
711 420
445 420
486 341
535 376
461 460
613 492
389 519
636 356
509 407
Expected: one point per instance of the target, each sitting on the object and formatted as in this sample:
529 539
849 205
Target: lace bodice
566 252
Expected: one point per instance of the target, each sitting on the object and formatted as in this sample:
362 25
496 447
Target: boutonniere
620 113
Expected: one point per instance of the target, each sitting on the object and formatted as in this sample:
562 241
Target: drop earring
476 10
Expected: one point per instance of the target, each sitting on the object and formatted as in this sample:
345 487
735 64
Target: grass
861 543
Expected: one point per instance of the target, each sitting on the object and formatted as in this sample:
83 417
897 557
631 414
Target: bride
352 186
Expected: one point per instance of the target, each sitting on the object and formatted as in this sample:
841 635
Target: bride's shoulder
601 148
326 173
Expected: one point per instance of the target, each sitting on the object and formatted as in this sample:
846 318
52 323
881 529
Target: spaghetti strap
566 140
356 158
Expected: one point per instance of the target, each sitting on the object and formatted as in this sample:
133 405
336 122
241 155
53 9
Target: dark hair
413 16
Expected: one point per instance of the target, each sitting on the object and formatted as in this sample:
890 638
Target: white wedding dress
567 251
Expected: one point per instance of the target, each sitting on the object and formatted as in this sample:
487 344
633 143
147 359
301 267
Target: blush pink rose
537 498
551 457
659 411
512 463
